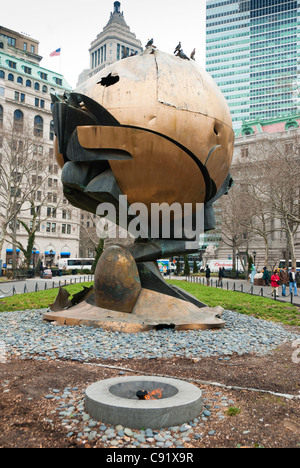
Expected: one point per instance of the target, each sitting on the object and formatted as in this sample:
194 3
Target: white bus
75 264
282 264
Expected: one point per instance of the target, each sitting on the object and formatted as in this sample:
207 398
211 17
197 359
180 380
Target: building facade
25 116
257 141
115 42
252 52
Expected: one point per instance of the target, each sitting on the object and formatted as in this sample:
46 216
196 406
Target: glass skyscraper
252 52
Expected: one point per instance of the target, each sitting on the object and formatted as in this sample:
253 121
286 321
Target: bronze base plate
152 310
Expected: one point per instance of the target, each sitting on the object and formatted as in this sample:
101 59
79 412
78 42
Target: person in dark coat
266 276
207 275
221 275
284 279
293 281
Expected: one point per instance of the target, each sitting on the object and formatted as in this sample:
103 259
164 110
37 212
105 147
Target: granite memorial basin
169 402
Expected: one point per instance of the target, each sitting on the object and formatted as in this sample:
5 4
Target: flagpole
60 62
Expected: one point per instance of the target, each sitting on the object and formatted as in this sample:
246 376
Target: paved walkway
244 286
9 288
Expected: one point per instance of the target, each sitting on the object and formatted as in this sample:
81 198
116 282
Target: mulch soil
255 383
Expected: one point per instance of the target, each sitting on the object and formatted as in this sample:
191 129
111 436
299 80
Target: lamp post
33 259
237 266
254 257
51 257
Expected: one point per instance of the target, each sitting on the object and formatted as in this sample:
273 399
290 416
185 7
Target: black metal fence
211 282
45 286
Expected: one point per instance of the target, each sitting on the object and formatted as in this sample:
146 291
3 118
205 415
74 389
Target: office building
252 52
27 137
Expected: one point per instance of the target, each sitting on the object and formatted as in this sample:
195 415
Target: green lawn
257 306
37 300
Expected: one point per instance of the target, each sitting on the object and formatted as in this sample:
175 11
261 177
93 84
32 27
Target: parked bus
282 264
75 264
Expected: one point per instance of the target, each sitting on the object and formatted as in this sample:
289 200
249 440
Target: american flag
55 53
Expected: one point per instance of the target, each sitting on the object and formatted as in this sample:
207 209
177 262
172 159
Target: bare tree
24 173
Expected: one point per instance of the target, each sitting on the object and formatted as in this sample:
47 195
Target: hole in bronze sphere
109 80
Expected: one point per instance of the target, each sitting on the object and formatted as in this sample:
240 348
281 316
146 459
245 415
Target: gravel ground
25 336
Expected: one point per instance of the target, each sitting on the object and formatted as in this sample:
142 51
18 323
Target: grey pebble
21 332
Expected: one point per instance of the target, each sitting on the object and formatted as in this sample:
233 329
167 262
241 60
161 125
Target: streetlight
254 257
51 257
33 256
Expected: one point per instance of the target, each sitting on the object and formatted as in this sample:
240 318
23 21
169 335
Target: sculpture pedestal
132 297
152 311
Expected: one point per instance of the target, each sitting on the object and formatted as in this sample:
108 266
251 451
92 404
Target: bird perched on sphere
182 55
193 54
177 48
149 43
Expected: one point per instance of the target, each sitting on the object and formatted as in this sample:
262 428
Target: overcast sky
73 25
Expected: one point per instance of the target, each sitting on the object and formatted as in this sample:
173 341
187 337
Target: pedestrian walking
284 279
253 273
266 276
207 275
275 283
221 275
41 270
293 281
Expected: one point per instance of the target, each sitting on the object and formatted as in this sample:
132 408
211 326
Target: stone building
257 140
115 42
25 105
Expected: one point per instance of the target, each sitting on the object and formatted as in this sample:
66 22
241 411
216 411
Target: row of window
27 83
28 71
50 227
38 123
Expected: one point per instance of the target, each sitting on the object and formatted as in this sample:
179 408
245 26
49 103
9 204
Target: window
2 75
18 120
28 70
244 152
44 76
38 126
51 134
58 81
19 96
37 86
45 89
39 103
10 77
24 45
12 64
28 83
32 49
20 80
